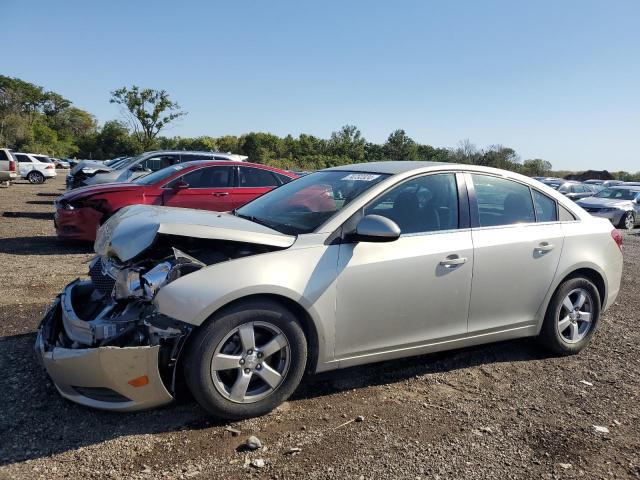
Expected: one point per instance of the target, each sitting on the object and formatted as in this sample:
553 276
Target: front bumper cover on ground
100 377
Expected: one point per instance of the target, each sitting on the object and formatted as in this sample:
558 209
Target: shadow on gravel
35 421
40 202
48 245
400 370
47 195
32 215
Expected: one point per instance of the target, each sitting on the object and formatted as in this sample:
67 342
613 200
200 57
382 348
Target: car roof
392 167
190 152
635 188
204 163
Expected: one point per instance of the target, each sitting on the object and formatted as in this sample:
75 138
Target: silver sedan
620 204
346 266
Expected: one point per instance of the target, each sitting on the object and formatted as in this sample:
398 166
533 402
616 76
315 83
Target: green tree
536 167
347 142
400 146
147 110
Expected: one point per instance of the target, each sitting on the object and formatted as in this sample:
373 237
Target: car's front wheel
246 360
627 221
572 316
35 177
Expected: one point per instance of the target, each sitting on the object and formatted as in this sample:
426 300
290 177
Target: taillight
617 237
50 167
12 165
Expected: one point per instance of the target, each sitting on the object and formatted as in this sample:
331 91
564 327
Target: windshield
160 175
124 163
304 204
618 193
116 161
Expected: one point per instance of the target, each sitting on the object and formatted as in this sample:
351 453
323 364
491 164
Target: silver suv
93 173
8 165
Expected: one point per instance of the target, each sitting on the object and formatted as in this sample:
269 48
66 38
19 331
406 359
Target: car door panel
514 263
209 188
404 285
513 270
419 284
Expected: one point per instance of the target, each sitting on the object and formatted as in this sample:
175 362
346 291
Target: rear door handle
544 247
220 194
453 261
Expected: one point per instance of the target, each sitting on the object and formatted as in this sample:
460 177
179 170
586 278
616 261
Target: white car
33 169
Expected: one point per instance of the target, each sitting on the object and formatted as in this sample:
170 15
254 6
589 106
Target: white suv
33 169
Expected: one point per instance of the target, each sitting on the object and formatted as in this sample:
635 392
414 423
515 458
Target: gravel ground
500 411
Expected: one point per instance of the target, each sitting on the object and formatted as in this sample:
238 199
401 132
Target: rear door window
502 202
256 177
211 177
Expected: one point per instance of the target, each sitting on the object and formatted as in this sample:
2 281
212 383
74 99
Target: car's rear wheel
246 360
628 221
35 177
572 316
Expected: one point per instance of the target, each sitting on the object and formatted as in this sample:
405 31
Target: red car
207 185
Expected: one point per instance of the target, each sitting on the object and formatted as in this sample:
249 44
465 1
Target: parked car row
341 267
34 167
126 169
219 185
613 199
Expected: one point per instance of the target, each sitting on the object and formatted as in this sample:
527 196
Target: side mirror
376 228
180 185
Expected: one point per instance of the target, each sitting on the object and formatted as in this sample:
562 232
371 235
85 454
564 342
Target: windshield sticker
362 177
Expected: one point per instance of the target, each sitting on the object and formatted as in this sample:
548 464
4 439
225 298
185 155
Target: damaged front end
103 343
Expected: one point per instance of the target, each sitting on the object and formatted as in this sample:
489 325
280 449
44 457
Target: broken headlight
128 284
133 283
156 278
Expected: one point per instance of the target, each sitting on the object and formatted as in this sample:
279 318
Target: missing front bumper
108 377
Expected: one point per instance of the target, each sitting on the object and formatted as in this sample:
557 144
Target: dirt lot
498 411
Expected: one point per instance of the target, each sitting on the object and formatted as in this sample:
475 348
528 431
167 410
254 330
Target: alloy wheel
36 177
629 221
250 362
576 316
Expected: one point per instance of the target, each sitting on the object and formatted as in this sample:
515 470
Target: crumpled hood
89 164
603 202
134 229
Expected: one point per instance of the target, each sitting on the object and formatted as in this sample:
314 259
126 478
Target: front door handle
220 194
544 247
452 261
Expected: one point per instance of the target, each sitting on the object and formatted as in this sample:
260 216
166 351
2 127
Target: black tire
550 337
35 177
199 355
627 221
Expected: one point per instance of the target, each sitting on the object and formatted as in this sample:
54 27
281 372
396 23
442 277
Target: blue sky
558 80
